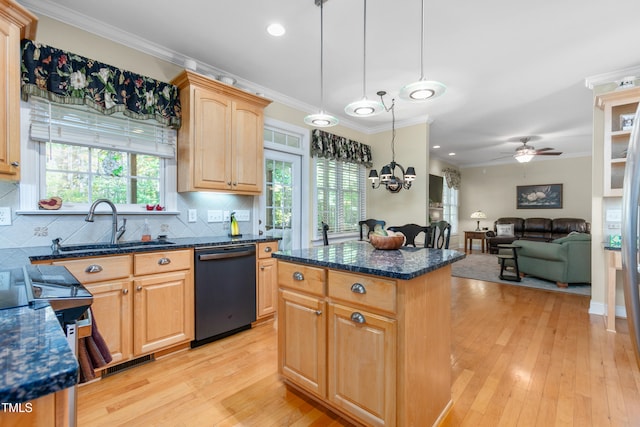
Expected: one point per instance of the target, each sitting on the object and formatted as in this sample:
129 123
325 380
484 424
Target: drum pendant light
364 107
423 89
321 119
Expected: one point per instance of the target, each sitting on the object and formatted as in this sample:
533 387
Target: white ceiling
512 68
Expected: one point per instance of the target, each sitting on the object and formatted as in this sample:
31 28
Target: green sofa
564 260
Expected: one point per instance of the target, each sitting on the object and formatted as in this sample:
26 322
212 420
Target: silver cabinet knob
125 291
164 261
15 164
357 318
358 288
298 276
318 312
93 268
139 288
262 267
267 249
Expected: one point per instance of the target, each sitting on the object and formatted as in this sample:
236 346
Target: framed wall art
546 196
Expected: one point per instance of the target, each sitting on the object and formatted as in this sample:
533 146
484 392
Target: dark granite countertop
17 257
35 357
360 257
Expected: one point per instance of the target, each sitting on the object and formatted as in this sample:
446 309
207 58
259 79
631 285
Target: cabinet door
248 153
212 140
267 287
163 311
302 341
9 100
112 313
362 364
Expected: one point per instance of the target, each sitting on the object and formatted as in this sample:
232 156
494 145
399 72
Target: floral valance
67 78
330 146
452 176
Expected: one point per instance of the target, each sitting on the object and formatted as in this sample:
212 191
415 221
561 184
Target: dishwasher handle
224 255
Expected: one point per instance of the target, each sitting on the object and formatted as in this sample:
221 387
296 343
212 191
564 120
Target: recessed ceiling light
276 29
436 146
452 154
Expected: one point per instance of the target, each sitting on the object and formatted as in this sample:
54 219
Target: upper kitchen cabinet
220 142
619 109
16 23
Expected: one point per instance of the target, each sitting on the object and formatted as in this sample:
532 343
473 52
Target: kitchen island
368 332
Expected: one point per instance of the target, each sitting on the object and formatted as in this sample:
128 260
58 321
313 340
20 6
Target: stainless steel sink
106 246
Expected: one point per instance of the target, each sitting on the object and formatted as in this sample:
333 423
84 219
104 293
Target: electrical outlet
5 216
193 215
242 215
214 216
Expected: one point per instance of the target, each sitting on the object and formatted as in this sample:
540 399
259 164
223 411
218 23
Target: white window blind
340 190
79 126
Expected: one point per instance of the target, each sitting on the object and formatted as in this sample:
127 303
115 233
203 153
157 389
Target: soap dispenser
146 233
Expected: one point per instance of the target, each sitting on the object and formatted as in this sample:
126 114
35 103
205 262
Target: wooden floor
520 357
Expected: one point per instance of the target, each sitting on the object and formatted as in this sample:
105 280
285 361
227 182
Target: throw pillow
505 230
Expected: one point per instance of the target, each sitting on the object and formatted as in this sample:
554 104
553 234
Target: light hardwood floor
520 357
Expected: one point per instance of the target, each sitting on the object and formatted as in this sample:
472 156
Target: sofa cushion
505 230
537 229
563 226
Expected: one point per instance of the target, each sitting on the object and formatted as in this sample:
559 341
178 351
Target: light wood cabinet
373 349
143 302
16 23
220 142
619 108
267 280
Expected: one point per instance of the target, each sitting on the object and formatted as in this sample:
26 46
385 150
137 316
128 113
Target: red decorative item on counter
154 208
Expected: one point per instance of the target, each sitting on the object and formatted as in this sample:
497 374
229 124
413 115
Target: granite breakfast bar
367 332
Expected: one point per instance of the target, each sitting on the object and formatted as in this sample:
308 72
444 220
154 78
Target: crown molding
611 77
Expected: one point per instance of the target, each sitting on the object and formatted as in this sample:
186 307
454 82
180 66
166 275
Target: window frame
448 207
362 190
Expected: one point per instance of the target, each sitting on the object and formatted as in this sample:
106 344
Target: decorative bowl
387 242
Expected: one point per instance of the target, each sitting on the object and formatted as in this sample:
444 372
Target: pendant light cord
364 56
322 55
422 44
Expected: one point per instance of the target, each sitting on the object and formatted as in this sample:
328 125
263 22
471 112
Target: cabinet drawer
371 292
266 249
301 277
161 262
88 270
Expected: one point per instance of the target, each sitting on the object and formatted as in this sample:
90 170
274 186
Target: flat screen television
435 188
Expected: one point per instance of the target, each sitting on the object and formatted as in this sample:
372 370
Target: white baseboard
601 309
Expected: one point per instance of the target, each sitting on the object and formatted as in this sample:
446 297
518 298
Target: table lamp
478 215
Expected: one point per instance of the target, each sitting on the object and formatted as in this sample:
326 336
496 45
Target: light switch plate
242 215
193 215
5 216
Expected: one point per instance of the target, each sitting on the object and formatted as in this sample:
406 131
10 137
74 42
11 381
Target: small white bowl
227 80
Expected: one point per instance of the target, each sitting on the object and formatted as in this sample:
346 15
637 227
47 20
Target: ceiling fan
526 152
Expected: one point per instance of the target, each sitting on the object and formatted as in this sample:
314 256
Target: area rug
485 267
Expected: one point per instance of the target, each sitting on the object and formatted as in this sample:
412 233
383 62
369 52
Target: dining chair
440 235
325 230
371 225
410 231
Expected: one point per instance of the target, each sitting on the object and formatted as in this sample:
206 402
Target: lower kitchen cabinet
362 362
112 313
302 340
161 317
267 280
143 302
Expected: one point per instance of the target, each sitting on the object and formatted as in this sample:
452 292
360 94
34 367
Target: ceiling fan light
523 157
422 90
321 120
363 108
410 175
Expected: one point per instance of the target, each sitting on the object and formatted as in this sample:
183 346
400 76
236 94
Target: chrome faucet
116 232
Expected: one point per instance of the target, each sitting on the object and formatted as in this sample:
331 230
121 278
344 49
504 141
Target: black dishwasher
225 291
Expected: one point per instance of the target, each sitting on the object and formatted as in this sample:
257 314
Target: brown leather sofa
537 229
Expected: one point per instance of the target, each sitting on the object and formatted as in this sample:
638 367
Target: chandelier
388 177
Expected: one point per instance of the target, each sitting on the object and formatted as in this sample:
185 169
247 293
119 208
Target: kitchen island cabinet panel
302 353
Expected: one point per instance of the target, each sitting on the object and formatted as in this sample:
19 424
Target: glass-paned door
281 200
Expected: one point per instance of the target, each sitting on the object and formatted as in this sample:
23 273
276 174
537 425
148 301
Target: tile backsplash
40 230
